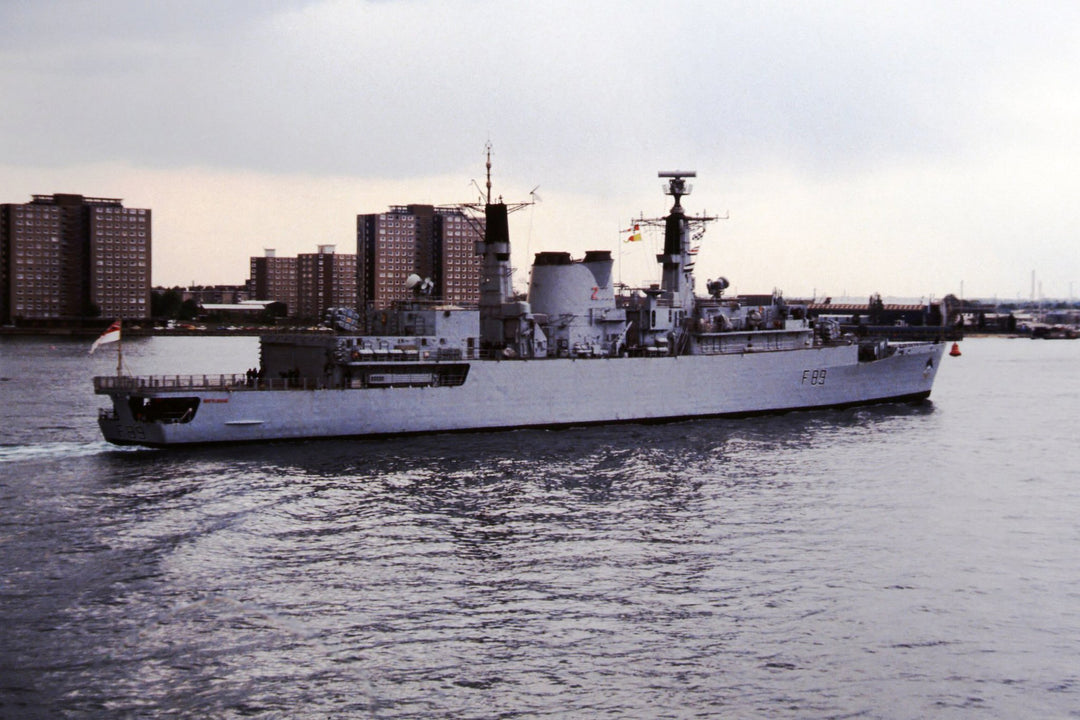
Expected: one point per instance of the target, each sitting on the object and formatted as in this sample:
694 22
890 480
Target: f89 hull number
814 377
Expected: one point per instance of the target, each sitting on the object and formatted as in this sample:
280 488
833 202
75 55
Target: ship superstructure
574 351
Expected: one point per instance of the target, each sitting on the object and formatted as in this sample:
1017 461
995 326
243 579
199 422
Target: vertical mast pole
488 201
119 346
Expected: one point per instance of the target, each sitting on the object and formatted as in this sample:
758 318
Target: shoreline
92 333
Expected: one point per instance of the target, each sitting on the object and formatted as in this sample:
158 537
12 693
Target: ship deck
143 383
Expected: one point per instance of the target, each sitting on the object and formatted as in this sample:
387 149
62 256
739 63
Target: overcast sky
856 147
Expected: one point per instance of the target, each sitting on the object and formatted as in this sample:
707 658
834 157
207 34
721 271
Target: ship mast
496 274
488 149
677 281
676 234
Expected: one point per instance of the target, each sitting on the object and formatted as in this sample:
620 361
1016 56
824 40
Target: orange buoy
955 352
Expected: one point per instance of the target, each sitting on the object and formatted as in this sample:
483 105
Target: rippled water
899 561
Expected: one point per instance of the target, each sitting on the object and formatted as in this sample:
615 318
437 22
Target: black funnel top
673 231
497 229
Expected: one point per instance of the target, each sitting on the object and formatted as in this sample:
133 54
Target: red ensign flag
112 334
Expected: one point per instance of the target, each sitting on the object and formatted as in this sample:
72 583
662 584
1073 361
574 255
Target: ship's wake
59 450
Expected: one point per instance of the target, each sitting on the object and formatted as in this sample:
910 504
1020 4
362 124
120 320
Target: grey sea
889 562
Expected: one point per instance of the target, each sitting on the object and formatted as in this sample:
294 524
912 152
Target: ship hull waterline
510 394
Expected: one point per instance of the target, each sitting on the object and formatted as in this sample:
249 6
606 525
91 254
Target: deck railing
198 382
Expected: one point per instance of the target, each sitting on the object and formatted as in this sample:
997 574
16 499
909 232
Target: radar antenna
677 185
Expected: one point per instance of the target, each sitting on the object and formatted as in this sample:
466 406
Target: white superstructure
574 352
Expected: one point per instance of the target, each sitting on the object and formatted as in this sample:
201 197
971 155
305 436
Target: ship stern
120 427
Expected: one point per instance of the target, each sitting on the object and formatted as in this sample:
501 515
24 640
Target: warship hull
506 394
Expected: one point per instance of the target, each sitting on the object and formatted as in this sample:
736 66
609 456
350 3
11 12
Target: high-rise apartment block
387 252
67 256
324 279
435 243
457 266
274 278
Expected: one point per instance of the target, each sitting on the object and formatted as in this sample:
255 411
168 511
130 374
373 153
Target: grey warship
573 352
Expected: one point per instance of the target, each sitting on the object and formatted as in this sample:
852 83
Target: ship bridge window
165 410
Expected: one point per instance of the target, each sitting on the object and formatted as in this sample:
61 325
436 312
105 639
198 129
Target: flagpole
620 259
119 347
